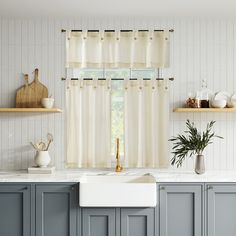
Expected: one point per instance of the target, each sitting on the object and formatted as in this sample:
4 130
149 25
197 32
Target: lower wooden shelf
39 110
205 110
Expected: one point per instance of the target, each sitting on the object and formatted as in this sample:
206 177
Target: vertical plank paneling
200 49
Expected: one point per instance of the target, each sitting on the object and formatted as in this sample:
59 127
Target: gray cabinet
15 210
56 209
98 222
221 210
180 210
137 222
118 221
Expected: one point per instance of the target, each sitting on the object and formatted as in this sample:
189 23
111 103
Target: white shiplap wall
200 49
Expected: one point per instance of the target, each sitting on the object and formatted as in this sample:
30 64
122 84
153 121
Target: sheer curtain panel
146 123
88 123
136 49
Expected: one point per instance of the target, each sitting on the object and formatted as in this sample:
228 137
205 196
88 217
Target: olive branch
194 142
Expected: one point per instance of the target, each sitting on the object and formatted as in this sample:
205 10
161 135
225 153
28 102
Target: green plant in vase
193 142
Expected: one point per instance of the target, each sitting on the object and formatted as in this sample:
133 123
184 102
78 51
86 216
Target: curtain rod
63 30
171 79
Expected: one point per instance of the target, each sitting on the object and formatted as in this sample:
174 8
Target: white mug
47 102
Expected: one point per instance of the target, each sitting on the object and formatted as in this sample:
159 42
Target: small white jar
42 158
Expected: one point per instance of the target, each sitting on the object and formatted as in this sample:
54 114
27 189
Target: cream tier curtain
88 123
146 123
134 49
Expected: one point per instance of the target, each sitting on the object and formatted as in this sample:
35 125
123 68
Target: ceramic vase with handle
42 158
199 164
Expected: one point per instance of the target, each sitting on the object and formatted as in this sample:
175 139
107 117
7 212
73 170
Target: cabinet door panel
137 221
56 207
180 210
221 210
98 222
15 210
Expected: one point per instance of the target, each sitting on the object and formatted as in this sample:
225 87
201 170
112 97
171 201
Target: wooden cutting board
39 90
24 94
30 95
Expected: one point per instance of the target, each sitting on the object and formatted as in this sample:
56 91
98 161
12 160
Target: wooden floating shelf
205 110
35 110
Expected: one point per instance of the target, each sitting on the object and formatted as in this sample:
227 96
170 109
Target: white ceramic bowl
218 103
47 102
233 102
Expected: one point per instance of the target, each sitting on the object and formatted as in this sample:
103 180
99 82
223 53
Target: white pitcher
42 158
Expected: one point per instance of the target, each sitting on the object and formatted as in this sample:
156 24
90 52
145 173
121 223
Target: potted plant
193 143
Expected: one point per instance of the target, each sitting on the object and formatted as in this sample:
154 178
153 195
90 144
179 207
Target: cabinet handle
162 188
25 188
210 187
72 188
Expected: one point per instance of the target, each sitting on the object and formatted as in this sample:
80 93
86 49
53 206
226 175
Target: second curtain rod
63 30
171 79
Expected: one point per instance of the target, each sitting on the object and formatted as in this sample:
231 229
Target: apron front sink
118 191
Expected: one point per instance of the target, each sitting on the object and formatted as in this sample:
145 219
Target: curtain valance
135 49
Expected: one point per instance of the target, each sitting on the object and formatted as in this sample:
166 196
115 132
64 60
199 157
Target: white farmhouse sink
118 191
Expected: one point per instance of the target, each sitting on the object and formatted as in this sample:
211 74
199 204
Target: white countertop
160 175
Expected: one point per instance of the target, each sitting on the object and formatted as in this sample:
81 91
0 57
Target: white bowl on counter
218 103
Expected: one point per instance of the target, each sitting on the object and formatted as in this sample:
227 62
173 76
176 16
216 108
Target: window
117 96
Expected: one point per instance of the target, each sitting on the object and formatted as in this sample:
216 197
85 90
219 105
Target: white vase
42 158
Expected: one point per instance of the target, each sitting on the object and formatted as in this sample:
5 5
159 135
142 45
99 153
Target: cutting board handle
36 75
26 78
